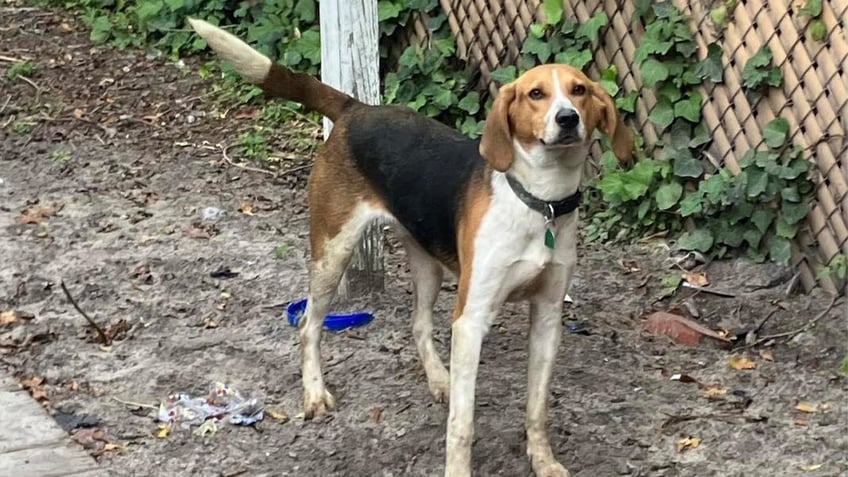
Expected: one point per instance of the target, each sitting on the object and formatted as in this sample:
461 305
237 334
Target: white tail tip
250 64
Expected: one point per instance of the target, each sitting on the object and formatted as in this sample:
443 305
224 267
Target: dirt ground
125 144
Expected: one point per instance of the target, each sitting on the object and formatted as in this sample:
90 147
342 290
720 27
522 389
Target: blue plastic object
333 321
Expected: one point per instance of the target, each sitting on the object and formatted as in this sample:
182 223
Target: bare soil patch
122 147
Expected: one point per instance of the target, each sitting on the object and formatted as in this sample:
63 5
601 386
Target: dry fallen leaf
35 215
680 329
113 446
800 421
66 27
688 443
741 362
377 414
79 113
630 266
246 113
246 208
163 431
33 385
198 230
9 317
811 467
695 278
277 415
808 407
715 390
767 354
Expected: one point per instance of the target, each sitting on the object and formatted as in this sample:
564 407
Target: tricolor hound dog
500 214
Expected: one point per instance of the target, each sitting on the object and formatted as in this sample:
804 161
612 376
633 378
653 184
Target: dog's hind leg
335 228
426 281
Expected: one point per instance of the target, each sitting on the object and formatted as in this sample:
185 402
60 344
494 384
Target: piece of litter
222 404
212 213
568 299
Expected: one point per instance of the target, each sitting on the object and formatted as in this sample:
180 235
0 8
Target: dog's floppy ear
496 143
611 124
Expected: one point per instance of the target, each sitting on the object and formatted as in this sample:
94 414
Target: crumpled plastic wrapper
223 403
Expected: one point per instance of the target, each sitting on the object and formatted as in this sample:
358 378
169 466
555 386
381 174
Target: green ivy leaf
627 102
715 187
553 11
686 48
685 165
609 80
700 240
663 114
576 58
813 8
784 229
305 10
538 47
470 103
701 136
775 132
505 75
753 237
653 72
670 91
817 30
780 249
691 204
790 194
797 166
651 46
711 68
444 98
101 29
762 218
757 181
668 195
592 27
794 213
409 58
387 10
148 10
689 108
756 70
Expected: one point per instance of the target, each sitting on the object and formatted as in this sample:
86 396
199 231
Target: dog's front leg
545 334
467 334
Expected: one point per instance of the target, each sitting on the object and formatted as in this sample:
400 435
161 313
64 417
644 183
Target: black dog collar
549 209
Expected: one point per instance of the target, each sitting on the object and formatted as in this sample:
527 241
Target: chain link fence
813 96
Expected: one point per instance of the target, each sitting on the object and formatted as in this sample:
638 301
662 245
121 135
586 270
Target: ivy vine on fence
670 189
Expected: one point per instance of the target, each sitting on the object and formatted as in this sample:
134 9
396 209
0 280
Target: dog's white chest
510 245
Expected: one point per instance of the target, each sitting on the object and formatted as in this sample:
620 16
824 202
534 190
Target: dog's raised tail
274 79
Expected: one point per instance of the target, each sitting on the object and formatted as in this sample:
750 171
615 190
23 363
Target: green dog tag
550 238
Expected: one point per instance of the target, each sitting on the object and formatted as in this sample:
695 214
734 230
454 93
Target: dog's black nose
567 118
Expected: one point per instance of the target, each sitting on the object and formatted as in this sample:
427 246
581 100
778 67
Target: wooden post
350 62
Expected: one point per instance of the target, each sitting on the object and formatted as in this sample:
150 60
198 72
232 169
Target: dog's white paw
317 402
439 384
544 464
550 469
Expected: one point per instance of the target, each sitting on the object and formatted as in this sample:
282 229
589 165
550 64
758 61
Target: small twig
229 161
340 361
242 166
708 290
9 59
134 404
97 328
296 169
791 334
29 82
3 108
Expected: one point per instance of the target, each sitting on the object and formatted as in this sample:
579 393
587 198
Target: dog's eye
536 93
578 89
